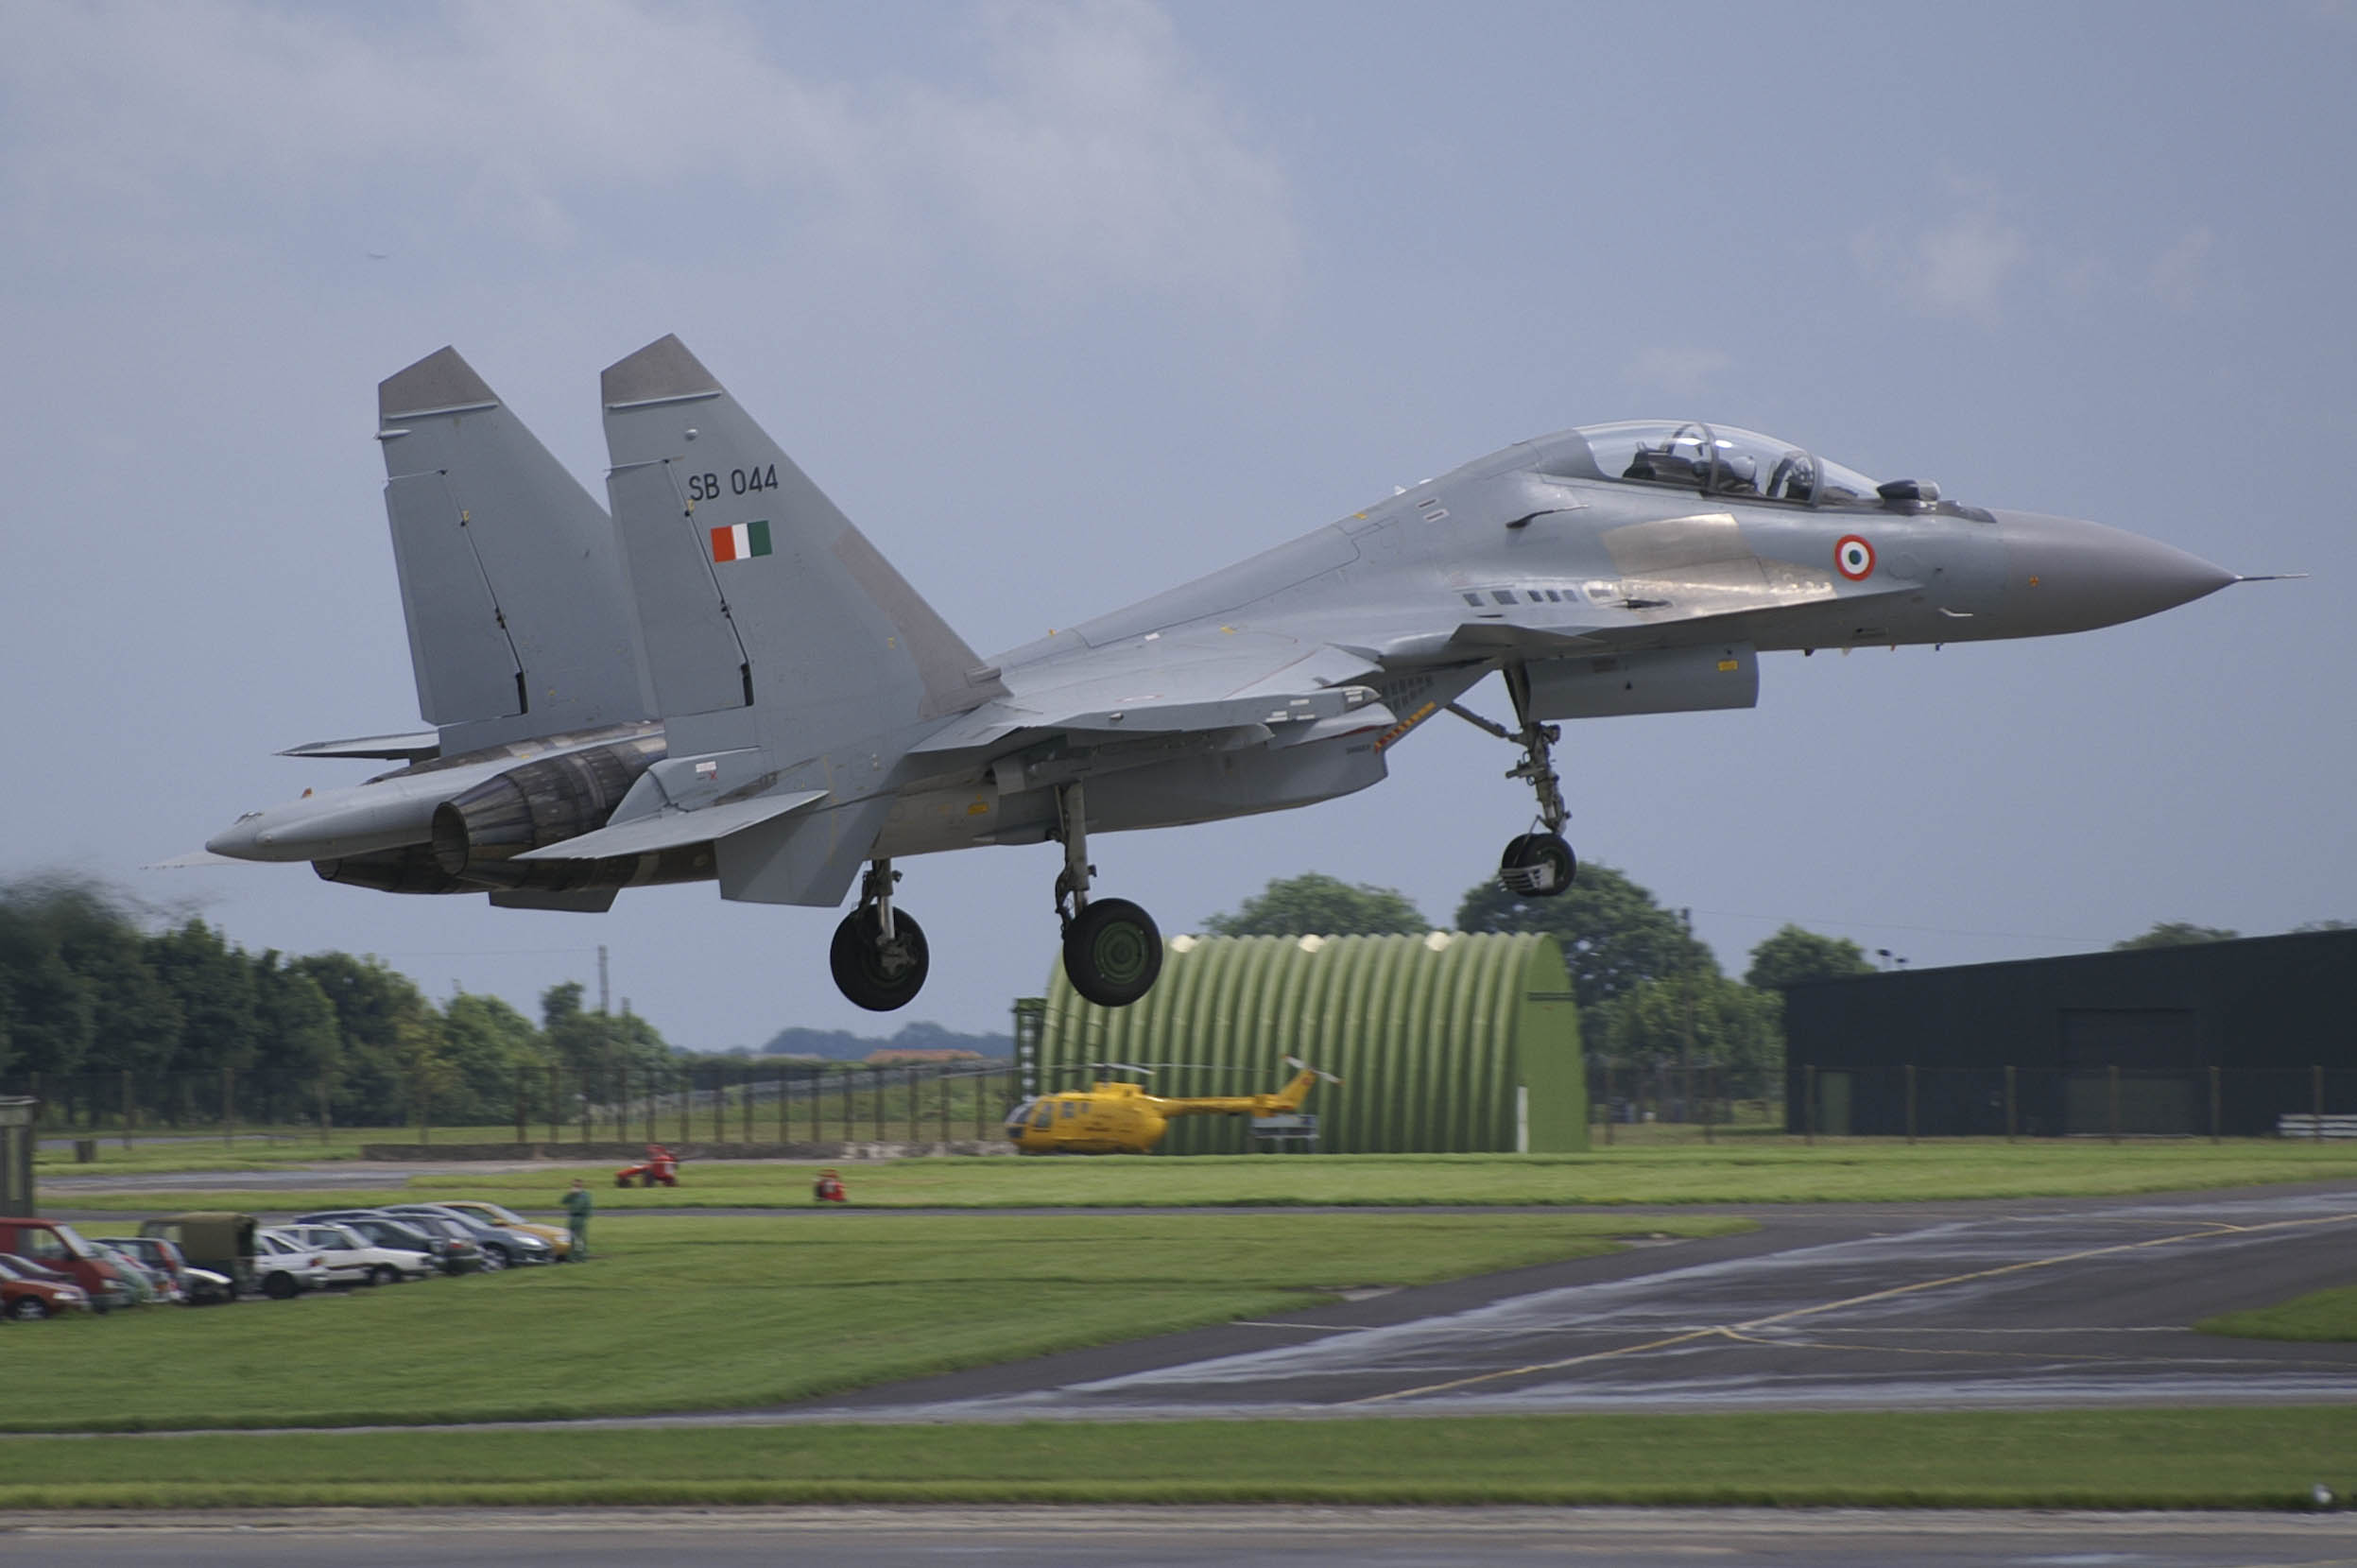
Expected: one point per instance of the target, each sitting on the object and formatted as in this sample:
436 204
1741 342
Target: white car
352 1258
283 1267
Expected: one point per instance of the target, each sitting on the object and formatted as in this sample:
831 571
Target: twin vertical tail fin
519 623
767 617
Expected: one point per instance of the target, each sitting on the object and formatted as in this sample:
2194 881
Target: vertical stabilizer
519 623
773 629
758 603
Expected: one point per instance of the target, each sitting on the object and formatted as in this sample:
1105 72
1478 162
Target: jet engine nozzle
2063 574
540 803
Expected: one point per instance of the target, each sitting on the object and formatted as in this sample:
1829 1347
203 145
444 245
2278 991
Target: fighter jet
722 678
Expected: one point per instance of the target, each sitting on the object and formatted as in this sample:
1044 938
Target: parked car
218 1241
55 1245
560 1239
502 1248
28 1291
353 1259
283 1267
148 1286
453 1250
196 1286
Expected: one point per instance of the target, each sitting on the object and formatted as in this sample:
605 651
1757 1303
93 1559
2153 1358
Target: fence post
2112 1076
555 1101
875 1095
1808 1104
327 1123
128 1095
1608 1102
911 1072
581 1082
229 1105
2213 1102
2009 1102
1710 1100
524 1095
687 1109
719 1105
1911 1102
2315 1102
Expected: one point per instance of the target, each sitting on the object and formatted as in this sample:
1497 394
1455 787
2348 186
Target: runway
1180 1538
2044 1303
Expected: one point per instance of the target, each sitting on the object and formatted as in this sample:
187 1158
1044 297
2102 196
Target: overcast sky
1067 304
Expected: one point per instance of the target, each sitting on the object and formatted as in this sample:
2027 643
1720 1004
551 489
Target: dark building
2224 1038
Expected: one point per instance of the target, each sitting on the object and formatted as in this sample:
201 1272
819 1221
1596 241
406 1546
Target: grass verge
707 1314
2323 1314
1753 1171
2243 1458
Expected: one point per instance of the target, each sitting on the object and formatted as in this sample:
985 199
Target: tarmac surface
2040 1303
1180 1538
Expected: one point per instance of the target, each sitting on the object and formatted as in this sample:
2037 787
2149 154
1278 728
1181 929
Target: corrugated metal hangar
2238 1039
1446 1043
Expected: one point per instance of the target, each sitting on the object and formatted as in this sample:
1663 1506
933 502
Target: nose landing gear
1113 951
1539 864
878 956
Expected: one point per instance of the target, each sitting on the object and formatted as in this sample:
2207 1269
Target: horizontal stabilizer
421 745
671 829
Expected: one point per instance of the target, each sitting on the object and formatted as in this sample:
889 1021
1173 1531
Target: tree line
88 990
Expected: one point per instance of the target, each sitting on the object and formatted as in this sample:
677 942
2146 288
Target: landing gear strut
1112 952
878 956
1537 864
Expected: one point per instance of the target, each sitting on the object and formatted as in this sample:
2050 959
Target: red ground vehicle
827 1189
24 1295
661 1165
55 1245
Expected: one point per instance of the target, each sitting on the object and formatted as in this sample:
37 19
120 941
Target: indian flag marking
741 542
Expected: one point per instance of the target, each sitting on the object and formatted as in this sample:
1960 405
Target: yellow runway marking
1736 1331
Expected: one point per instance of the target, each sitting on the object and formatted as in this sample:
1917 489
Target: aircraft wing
1185 681
421 745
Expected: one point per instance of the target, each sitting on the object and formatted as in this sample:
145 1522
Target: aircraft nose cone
240 840
2063 574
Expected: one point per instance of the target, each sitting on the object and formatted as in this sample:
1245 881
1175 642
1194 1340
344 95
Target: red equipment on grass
827 1189
661 1165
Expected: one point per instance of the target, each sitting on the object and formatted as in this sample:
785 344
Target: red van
53 1243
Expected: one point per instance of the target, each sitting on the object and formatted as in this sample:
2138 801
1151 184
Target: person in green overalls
577 1206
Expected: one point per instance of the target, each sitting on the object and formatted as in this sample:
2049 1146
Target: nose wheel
878 956
1537 865
1113 950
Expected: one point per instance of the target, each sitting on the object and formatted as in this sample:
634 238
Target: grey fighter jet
724 680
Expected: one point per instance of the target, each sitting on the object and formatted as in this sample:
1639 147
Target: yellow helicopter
1122 1118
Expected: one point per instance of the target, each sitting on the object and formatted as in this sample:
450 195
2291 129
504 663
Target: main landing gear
1112 952
1537 864
878 956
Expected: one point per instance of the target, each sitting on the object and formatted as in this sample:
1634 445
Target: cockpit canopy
1717 459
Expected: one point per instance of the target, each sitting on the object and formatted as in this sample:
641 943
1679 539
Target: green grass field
2112 1459
1751 1171
2323 1314
704 1313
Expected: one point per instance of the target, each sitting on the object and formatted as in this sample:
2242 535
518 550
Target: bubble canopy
1718 459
